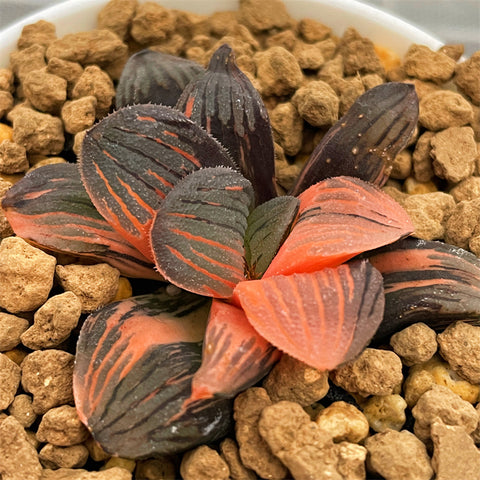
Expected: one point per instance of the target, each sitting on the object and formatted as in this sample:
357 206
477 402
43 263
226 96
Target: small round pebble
295 381
385 412
459 345
47 375
62 427
398 456
374 372
94 285
21 408
343 421
54 457
9 381
440 403
414 344
204 463
53 321
435 371
16 450
253 449
11 328
26 275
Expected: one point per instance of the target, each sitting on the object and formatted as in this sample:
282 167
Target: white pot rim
382 28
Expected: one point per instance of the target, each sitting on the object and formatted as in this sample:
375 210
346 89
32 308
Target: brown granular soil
408 410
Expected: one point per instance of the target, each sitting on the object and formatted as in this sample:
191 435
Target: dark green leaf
197 236
131 159
268 226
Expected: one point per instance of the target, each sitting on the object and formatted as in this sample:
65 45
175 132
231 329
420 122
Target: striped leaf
268 226
234 355
131 159
427 281
339 218
323 318
226 104
366 140
133 372
197 236
50 207
154 77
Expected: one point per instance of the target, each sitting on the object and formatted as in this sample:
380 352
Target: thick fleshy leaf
339 218
366 140
226 104
197 235
131 159
234 355
268 226
154 77
133 371
323 318
50 207
427 281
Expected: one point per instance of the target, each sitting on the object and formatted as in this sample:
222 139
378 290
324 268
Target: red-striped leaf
366 140
427 281
197 235
234 355
323 318
339 218
50 207
131 159
133 371
226 104
268 226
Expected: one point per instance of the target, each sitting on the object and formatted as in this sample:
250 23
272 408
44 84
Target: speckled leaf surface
197 236
324 318
133 372
51 208
131 159
366 140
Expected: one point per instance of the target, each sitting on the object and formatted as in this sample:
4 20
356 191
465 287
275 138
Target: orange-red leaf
339 218
234 355
323 318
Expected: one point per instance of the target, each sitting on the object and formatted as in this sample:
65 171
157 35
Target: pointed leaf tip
234 355
366 140
227 105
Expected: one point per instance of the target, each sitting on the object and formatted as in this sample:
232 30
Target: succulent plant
186 196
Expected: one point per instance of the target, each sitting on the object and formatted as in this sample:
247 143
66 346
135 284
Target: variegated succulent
185 196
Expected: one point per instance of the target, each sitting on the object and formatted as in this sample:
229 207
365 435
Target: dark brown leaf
154 77
227 105
366 140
